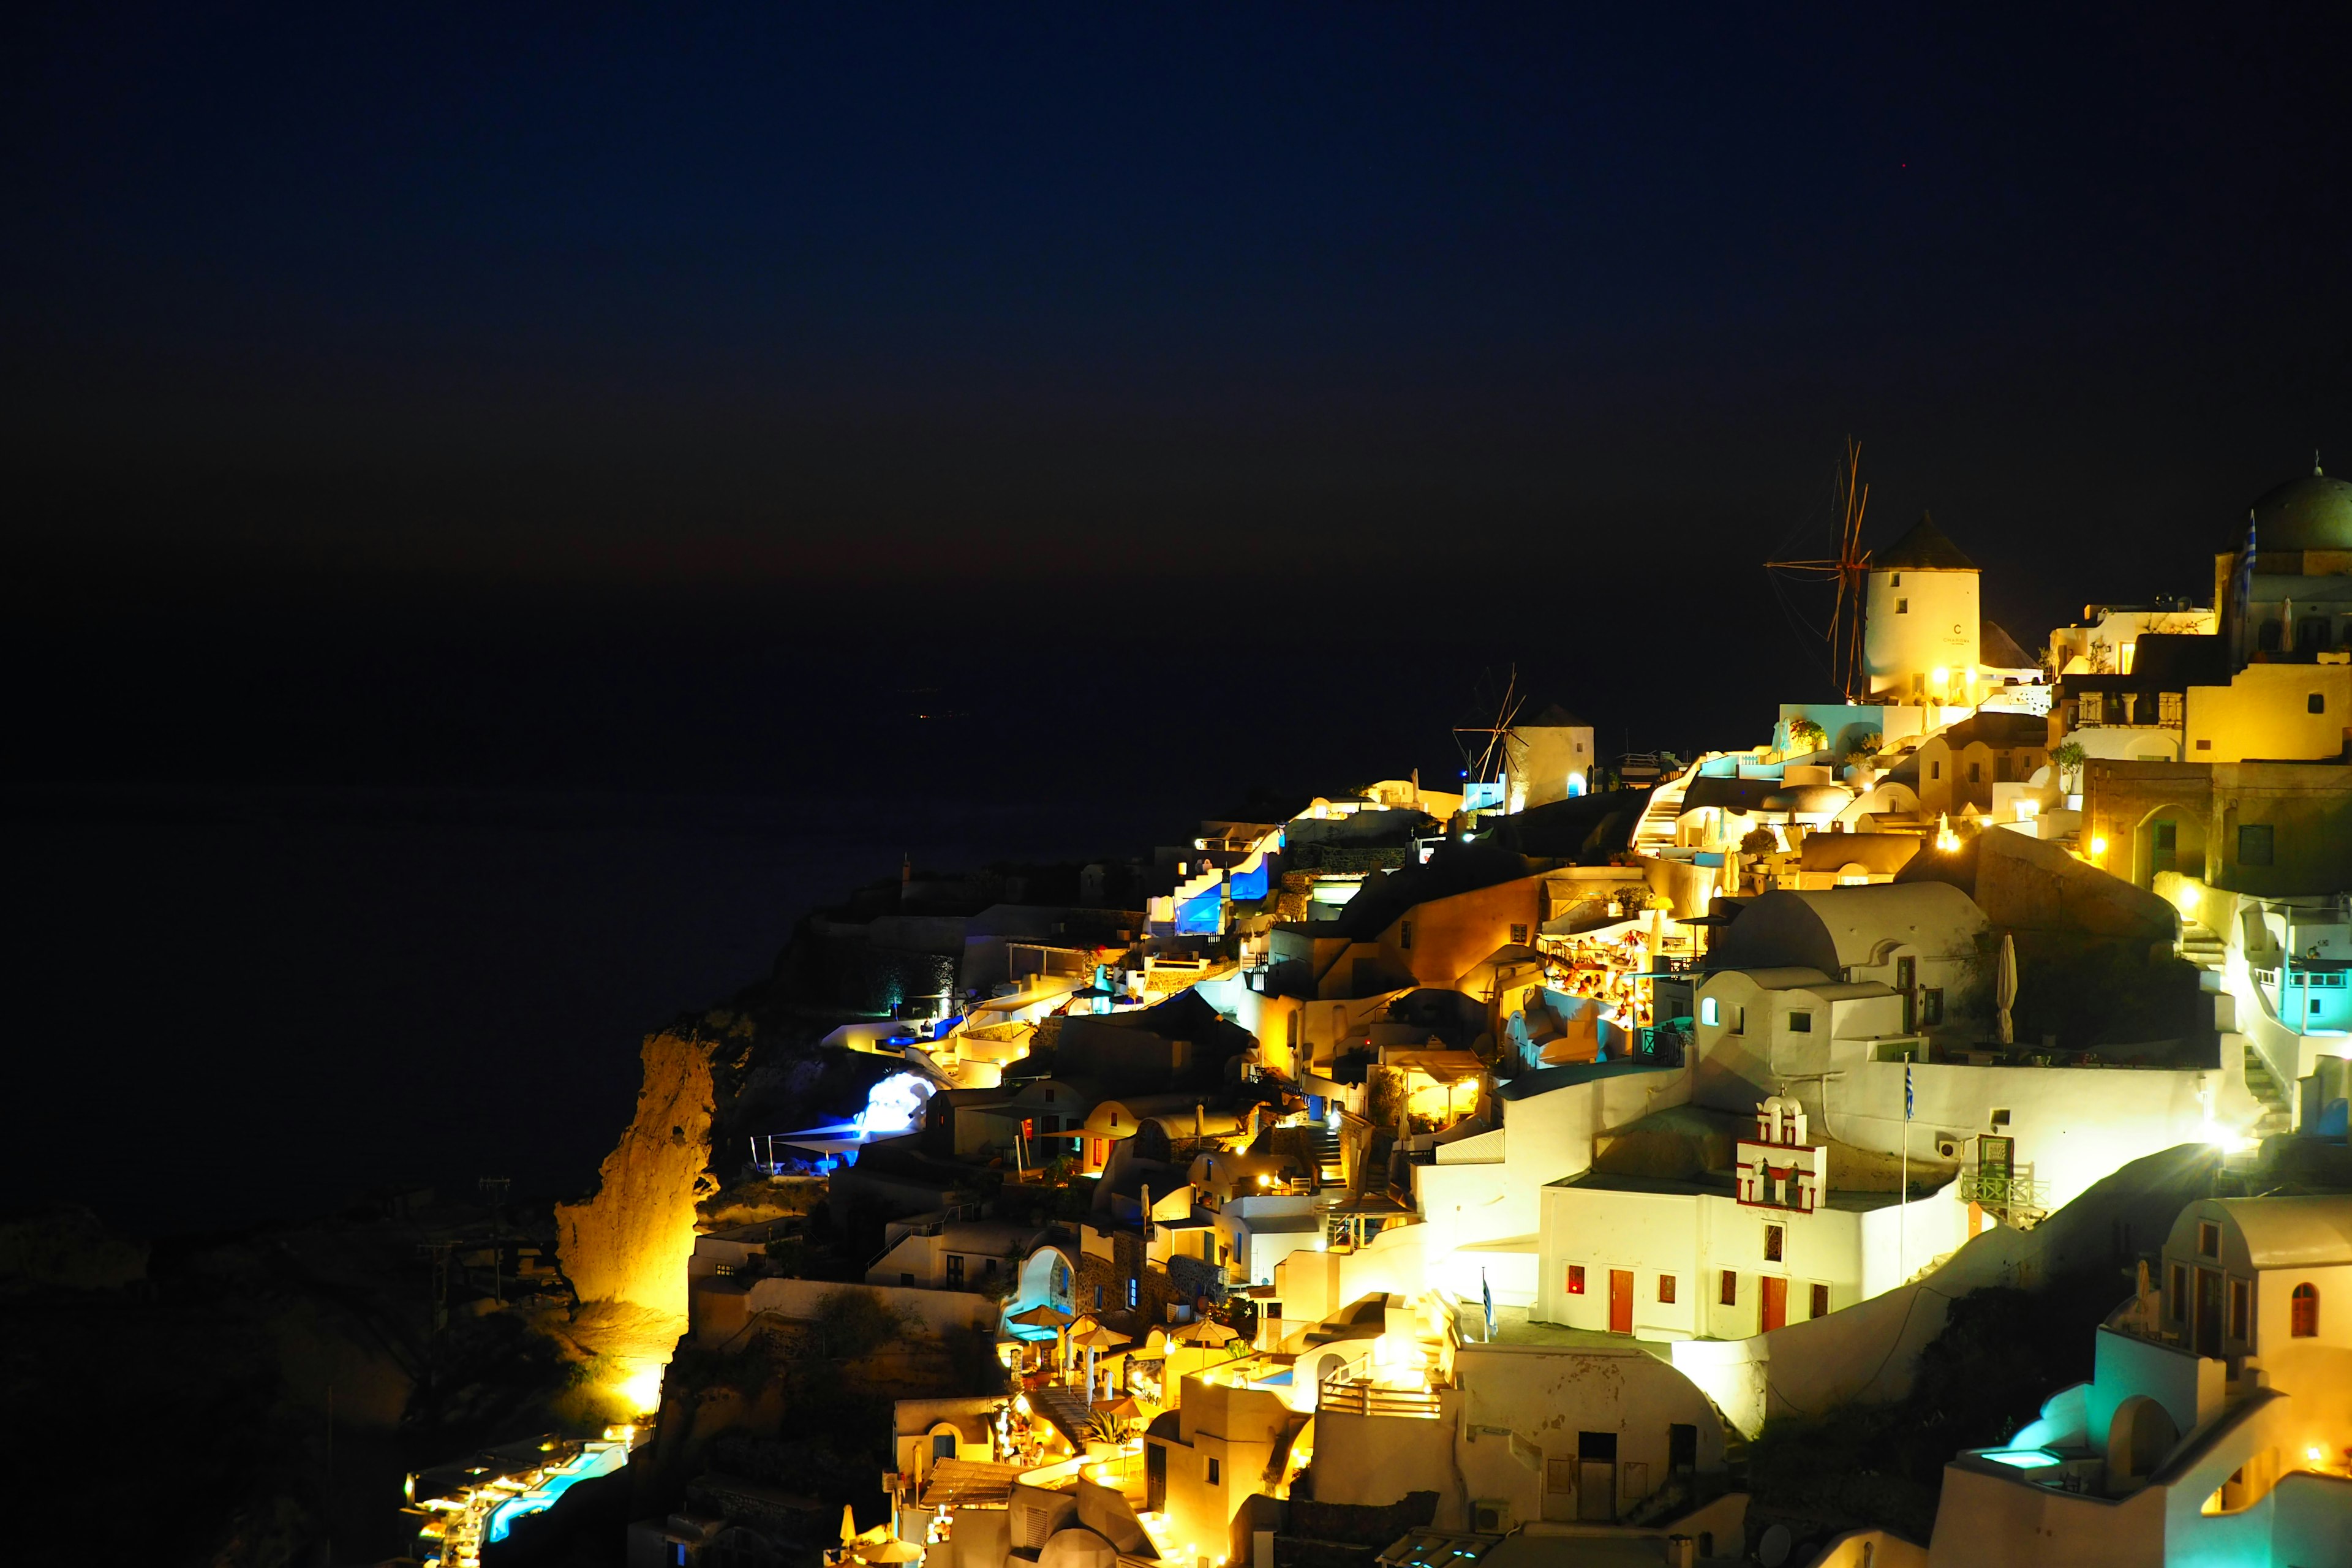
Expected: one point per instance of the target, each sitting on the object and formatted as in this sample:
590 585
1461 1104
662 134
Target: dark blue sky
1476 320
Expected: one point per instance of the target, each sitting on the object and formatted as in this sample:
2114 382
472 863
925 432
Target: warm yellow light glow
2185 897
2027 810
2315 1454
642 1389
2124 656
2227 1141
2098 845
1946 839
1939 677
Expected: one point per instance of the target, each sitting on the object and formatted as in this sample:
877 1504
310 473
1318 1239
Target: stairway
1323 1151
2264 1085
2200 947
1655 831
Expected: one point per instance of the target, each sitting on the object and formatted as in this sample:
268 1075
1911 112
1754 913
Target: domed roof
2312 512
1076 1548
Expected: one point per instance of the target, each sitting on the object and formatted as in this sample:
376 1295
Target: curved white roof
2293 1233
1836 928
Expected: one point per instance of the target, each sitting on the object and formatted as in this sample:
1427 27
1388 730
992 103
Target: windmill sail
1843 570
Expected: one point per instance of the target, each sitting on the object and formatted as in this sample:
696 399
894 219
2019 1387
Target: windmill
1486 749
1842 635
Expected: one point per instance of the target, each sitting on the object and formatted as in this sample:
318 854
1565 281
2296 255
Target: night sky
1101 409
1236 335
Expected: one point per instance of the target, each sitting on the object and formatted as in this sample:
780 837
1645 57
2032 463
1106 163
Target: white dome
1076 1548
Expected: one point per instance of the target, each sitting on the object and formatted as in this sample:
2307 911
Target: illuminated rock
631 1241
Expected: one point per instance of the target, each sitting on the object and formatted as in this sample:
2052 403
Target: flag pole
1902 1199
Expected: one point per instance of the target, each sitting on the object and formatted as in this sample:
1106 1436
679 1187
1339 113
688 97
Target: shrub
853 1322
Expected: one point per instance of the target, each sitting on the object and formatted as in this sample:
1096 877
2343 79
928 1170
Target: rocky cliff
629 1243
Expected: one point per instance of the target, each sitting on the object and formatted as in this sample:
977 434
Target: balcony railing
2002 1191
1344 1395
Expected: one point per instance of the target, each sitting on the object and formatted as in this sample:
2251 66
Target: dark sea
315 898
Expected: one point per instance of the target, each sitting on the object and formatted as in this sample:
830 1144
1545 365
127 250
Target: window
1097 1297
1902 606
2315 703
2204 745
2302 1310
2208 1239
1976 773
2000 1116
1773 1238
1405 935
1739 1022
1520 935
1666 1289
2091 709
1820 1301
2240 1292
1935 769
1895 580
1931 1005
955 1270
1134 1291
1708 1013
1800 1023
2254 844
1212 1472
1728 1292
1049 1094
943 1445
2123 655
1575 1278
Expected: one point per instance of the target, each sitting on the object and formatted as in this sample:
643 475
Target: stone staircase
2201 946
1323 1149
2264 1085
1655 831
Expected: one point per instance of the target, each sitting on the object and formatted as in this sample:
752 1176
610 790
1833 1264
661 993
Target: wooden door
2209 1312
1596 1481
1620 1300
1775 1303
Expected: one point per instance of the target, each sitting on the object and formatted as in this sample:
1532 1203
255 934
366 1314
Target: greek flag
1487 1297
1907 1100
2241 585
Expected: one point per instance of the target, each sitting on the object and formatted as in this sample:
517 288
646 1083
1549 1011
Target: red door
1620 1300
1775 1303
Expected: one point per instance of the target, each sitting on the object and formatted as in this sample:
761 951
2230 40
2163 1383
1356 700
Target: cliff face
630 1243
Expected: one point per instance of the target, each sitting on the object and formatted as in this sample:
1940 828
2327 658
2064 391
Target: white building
1521 1433
1830 996
2218 1429
1712 1257
1920 620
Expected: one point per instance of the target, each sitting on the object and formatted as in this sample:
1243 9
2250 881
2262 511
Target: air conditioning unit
1491 1516
1947 1147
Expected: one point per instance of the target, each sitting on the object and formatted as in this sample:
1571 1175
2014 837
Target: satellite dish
1773 1546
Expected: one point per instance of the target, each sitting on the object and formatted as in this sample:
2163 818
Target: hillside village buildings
1486 1168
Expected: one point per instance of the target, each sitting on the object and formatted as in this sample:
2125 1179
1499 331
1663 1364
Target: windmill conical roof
1923 549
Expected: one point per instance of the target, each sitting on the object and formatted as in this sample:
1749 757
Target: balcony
1341 1394
1999 1190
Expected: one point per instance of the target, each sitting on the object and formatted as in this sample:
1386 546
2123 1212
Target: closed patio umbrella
2005 991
